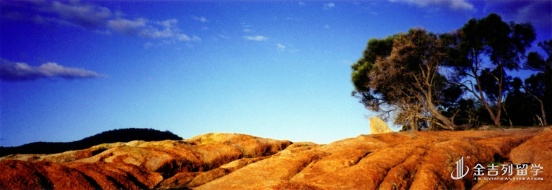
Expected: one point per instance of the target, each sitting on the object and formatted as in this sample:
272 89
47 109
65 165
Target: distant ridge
117 135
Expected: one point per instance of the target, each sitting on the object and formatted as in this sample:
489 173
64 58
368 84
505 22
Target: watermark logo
460 169
492 172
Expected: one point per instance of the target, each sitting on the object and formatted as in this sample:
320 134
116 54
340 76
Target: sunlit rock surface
378 126
415 160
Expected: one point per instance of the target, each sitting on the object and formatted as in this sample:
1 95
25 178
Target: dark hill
118 135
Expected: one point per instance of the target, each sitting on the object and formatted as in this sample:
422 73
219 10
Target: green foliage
528 102
464 112
402 76
375 48
494 163
539 86
537 63
399 74
503 44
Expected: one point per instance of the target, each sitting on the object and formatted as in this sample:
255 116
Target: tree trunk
542 110
450 125
543 113
482 98
495 118
508 116
499 102
436 114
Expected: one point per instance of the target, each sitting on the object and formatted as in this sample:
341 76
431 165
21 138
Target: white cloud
280 46
10 71
452 4
168 23
536 12
156 33
302 3
329 5
184 37
347 62
283 48
94 18
223 36
125 26
196 39
71 14
87 16
200 19
256 38
460 5
167 30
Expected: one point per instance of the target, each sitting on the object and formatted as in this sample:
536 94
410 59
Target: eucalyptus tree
539 85
400 74
486 49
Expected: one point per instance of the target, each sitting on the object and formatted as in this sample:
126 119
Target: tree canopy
539 86
399 75
454 80
503 44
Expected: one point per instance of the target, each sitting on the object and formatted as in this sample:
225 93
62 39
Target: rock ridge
402 160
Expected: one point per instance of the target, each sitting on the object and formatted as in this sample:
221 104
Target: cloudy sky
278 69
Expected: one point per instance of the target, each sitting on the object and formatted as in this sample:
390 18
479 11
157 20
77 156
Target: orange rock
178 181
41 175
537 151
404 160
136 164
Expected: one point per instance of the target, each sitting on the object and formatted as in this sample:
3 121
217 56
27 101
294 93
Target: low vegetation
118 135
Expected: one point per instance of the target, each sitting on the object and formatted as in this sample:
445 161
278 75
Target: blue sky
277 69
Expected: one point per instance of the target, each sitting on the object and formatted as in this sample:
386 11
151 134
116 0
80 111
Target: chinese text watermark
494 172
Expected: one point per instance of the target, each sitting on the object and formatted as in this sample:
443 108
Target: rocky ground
416 160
